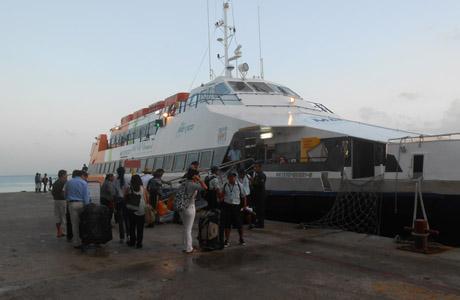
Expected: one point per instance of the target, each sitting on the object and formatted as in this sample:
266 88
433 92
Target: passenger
192 186
154 187
84 168
77 195
45 182
50 181
121 212
245 181
146 176
136 213
38 183
258 188
108 193
60 204
84 175
214 188
234 199
193 166
234 154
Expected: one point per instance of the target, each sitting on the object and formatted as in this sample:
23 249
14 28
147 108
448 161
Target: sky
69 70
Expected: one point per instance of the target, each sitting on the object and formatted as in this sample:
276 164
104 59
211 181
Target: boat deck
279 262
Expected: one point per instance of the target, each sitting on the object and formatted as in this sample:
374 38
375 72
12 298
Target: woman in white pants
192 186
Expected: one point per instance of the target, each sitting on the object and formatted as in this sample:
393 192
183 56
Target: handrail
222 166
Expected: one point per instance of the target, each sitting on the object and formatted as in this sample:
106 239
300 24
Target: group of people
45 182
128 201
234 197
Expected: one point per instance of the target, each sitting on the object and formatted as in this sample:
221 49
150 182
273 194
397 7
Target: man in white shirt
234 199
146 176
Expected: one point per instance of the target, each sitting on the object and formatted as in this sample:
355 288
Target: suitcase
211 231
95 226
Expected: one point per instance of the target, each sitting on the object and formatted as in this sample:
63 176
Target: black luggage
95 227
211 231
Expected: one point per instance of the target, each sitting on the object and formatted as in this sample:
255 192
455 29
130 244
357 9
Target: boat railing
209 98
426 138
228 166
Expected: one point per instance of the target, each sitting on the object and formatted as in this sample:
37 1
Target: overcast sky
70 69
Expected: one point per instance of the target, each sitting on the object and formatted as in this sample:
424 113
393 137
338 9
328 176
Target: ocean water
21 183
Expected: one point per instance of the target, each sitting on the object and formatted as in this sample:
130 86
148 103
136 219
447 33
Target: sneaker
226 244
242 242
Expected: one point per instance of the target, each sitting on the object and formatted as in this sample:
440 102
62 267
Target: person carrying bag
184 204
135 203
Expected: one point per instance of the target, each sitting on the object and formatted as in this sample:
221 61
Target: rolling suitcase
211 231
95 227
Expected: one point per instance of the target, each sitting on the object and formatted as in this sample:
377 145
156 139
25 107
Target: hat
231 174
147 171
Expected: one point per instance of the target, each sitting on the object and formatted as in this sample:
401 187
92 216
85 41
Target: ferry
309 153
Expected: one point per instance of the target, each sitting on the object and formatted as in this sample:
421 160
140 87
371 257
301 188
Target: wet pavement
279 262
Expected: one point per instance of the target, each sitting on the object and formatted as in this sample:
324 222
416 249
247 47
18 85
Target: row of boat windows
142 132
174 162
252 87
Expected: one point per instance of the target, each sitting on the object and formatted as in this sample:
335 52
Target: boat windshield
261 87
239 86
284 90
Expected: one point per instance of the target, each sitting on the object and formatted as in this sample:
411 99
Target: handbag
181 201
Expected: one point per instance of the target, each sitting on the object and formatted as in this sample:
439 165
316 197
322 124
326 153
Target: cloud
409 96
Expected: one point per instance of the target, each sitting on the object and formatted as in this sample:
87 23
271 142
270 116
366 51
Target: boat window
284 90
193 101
222 89
182 106
158 162
150 163
179 161
239 86
191 157
261 87
205 159
168 162
152 130
143 164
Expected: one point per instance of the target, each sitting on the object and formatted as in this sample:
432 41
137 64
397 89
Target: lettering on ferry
184 129
293 174
326 119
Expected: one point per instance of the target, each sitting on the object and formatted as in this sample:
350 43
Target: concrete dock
279 262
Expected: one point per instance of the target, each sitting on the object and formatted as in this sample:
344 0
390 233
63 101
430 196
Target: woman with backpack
185 204
135 203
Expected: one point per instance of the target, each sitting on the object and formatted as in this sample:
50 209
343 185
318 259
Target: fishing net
356 208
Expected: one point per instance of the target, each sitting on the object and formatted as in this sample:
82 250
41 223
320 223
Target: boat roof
299 117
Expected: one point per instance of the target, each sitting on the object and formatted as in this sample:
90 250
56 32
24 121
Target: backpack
182 199
133 199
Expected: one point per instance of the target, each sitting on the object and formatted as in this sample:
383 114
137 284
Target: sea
20 183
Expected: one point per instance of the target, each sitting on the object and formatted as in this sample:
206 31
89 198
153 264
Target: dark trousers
121 217
136 228
259 206
69 233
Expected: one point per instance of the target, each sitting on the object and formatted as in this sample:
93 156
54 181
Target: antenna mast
229 33
209 44
228 68
260 46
